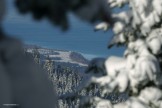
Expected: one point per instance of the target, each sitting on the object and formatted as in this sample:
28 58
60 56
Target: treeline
65 79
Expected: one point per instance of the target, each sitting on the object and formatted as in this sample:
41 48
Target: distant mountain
70 59
66 70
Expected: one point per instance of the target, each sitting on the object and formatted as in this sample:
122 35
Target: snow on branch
138 73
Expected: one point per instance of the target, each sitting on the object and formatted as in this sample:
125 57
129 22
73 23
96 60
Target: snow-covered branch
138 72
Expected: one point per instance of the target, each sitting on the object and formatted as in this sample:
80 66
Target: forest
66 78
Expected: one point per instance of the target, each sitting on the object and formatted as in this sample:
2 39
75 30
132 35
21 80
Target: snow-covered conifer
138 72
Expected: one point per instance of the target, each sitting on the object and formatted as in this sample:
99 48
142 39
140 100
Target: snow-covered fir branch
138 73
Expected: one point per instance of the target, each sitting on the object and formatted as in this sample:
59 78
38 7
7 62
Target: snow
118 27
138 72
114 64
63 55
154 41
102 26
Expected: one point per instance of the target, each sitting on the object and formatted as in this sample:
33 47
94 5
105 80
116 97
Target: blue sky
80 37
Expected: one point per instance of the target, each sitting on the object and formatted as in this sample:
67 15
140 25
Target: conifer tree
36 55
48 65
138 72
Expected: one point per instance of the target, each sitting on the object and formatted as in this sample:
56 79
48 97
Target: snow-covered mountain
60 57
